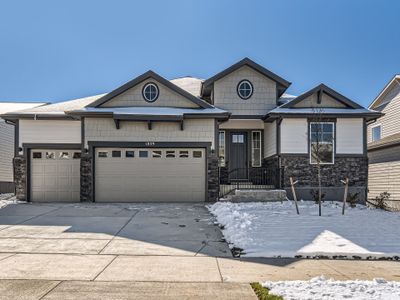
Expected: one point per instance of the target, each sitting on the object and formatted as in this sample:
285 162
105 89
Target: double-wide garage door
55 175
146 175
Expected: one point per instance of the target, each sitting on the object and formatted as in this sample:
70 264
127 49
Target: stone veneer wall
353 167
212 177
20 170
299 167
86 178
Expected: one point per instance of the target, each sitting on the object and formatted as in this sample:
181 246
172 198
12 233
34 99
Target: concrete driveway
140 251
120 229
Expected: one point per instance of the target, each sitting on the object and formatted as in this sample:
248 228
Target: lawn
273 229
322 288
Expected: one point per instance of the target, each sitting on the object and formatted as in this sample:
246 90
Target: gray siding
6 151
195 130
134 97
263 98
326 102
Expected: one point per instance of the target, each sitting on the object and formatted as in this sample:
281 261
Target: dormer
245 89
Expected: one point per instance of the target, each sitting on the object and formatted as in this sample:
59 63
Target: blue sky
59 50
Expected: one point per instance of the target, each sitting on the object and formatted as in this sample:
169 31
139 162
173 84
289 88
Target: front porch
261 178
242 146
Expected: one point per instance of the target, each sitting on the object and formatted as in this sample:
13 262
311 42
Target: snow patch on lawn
273 229
6 199
321 288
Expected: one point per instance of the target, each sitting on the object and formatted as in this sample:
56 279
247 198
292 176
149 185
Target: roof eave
38 116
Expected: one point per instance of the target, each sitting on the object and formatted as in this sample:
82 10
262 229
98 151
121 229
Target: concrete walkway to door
152 251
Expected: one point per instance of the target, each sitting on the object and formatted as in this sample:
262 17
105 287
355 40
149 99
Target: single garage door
55 175
150 175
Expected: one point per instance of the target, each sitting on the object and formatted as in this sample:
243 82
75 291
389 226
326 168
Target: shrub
263 293
380 201
352 199
314 195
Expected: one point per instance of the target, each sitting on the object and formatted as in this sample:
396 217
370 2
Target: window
77 155
50 155
256 148
376 133
237 138
321 143
116 153
102 154
245 89
63 155
37 155
197 154
157 154
170 154
143 153
150 92
221 150
183 154
129 153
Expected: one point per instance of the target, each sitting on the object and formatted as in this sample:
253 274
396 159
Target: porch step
256 195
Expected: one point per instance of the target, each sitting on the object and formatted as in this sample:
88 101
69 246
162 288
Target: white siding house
384 145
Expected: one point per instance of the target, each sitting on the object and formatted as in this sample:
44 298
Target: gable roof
322 88
143 77
393 81
282 83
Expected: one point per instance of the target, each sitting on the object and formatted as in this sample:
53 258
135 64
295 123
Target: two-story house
384 145
152 139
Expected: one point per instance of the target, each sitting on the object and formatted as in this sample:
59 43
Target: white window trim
239 89
219 145
333 142
151 84
372 135
252 158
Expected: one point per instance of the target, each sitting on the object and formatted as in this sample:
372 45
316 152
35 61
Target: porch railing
249 179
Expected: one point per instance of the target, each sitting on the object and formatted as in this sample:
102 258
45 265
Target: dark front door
238 155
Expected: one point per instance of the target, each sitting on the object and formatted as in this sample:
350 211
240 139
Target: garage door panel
151 179
55 176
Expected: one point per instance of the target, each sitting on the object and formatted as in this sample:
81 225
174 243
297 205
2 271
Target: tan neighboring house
384 144
7 144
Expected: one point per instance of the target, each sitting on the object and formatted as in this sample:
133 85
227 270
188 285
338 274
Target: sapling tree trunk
316 148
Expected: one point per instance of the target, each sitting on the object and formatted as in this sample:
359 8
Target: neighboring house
7 144
384 144
189 140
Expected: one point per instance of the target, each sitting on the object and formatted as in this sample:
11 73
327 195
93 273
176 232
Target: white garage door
150 175
55 175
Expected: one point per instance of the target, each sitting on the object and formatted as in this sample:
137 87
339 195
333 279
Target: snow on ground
321 288
6 199
273 229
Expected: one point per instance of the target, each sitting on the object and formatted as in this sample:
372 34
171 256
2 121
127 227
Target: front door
238 156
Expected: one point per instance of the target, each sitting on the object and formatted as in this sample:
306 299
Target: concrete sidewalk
67 276
117 268
89 290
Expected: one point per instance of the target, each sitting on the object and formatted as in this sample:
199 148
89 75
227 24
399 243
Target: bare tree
321 147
